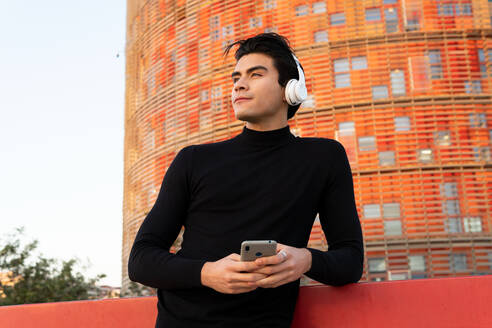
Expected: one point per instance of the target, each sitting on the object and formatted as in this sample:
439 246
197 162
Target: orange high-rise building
404 85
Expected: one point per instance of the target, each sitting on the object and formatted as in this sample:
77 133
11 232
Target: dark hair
278 48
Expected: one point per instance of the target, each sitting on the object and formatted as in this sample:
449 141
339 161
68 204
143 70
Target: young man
264 183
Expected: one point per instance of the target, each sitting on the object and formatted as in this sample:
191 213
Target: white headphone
295 91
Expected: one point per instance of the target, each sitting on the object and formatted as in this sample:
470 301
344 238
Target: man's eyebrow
249 70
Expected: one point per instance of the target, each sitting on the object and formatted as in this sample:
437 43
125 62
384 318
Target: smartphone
253 249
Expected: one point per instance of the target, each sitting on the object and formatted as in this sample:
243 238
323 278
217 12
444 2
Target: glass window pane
367 143
372 211
391 18
472 224
359 62
402 123
392 227
449 189
337 19
458 262
386 158
319 7
416 262
452 207
398 82
390 2
424 155
342 80
474 86
346 128
373 14
453 225
443 138
302 10
321 36
380 92
377 265
341 65
391 210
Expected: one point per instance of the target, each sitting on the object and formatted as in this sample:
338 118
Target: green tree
39 280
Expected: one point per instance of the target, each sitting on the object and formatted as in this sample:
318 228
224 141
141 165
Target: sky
62 93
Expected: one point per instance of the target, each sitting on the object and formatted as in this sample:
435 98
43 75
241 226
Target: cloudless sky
62 128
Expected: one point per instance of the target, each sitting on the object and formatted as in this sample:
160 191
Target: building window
481 153
449 189
435 65
302 10
424 155
337 19
445 9
214 35
367 143
319 7
391 19
320 36
472 224
342 74
484 62
373 14
490 260
386 158
377 265
463 9
478 120
379 92
391 210
452 207
416 263
474 86
397 275
346 128
398 83
203 95
359 62
309 102
453 225
390 2
402 123
392 227
457 262
442 138
270 29
269 4
372 211
255 22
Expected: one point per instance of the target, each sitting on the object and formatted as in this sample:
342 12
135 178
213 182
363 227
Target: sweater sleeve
344 260
150 262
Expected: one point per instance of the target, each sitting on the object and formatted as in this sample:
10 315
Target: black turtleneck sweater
256 185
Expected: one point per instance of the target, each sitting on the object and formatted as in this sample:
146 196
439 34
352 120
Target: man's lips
241 99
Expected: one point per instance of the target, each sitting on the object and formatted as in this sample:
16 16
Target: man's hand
288 265
230 275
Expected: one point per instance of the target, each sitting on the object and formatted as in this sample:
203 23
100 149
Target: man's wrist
204 274
309 259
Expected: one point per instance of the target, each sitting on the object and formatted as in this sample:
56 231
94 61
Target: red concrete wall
445 302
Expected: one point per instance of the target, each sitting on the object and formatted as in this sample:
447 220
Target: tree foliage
39 280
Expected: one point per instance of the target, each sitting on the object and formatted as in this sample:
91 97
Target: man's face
256 79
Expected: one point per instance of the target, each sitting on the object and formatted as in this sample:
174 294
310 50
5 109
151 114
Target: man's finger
247 277
274 280
274 259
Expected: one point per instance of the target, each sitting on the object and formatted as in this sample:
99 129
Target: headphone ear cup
290 91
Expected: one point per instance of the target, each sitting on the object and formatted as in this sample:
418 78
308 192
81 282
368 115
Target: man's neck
266 126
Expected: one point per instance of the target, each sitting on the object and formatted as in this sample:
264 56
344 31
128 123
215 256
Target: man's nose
240 85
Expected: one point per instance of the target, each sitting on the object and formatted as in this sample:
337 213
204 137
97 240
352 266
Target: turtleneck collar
266 138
